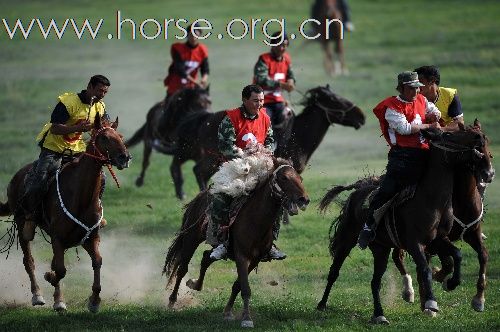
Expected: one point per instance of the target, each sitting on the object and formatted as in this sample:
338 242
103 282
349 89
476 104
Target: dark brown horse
424 219
468 214
71 210
162 120
250 236
331 31
197 135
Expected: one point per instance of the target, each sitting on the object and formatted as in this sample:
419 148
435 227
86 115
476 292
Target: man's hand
83 126
287 86
431 118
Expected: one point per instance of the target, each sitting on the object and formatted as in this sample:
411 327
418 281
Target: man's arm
398 122
261 75
178 65
227 139
269 141
60 116
455 110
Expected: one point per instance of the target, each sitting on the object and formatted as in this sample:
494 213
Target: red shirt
249 130
277 72
412 111
192 58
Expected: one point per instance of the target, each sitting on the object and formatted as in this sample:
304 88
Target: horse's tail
137 137
345 228
5 209
188 235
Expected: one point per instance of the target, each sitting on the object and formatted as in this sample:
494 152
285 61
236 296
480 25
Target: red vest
192 57
277 72
248 130
414 113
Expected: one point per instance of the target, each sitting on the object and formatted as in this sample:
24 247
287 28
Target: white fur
240 176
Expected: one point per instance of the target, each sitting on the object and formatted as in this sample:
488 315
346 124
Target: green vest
78 112
445 98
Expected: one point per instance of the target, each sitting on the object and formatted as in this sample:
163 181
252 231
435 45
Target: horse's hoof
37 300
171 304
139 182
228 316
408 296
431 305
321 306
478 304
181 196
381 320
247 323
191 283
430 313
446 284
93 308
59 306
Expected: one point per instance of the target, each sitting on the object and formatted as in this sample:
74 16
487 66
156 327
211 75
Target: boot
219 252
366 236
276 254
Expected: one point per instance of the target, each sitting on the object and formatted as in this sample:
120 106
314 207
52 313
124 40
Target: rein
69 215
100 156
464 226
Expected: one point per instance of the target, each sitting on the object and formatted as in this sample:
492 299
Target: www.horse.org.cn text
168 29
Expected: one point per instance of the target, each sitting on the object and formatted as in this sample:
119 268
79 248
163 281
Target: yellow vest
445 98
78 112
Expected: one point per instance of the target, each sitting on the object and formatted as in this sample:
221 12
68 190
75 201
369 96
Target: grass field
459 36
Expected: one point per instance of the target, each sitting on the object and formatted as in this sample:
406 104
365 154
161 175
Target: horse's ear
432 134
327 86
461 125
207 89
477 123
97 121
114 125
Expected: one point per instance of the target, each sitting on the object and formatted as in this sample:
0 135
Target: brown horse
162 120
197 135
71 210
468 216
424 219
330 30
250 236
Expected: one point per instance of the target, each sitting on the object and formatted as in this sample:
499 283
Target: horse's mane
311 96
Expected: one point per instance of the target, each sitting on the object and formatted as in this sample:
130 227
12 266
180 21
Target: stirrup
220 252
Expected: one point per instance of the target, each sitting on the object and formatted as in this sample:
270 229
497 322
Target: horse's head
335 108
286 184
194 99
467 146
106 144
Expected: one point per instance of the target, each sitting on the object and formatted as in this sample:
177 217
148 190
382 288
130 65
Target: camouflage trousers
220 208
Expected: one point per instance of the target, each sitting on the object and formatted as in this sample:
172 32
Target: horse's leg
339 49
408 293
328 59
29 266
206 261
146 154
58 272
445 250
428 302
176 172
476 242
92 248
187 253
203 170
380 259
338 259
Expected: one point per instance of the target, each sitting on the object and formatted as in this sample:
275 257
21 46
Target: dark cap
409 78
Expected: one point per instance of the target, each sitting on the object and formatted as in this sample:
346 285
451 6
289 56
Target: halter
276 190
100 156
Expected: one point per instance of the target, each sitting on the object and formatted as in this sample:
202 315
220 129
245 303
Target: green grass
457 35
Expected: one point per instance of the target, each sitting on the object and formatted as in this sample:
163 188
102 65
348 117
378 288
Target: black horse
423 220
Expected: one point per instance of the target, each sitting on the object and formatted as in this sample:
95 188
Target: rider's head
253 98
429 76
193 34
280 41
408 85
98 87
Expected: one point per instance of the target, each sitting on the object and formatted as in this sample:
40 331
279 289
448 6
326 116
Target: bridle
327 110
276 190
99 156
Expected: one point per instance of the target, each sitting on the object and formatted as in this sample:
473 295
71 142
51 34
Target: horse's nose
124 159
303 202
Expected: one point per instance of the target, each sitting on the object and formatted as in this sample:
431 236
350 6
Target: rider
187 59
246 124
318 11
445 99
73 115
273 72
401 119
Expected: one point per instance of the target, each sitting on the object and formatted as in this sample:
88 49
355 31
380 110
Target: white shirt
398 122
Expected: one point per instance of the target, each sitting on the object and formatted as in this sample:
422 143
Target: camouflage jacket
227 138
261 74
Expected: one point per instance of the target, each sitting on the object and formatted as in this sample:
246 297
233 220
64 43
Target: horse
468 211
330 29
423 220
161 122
250 236
197 135
71 210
